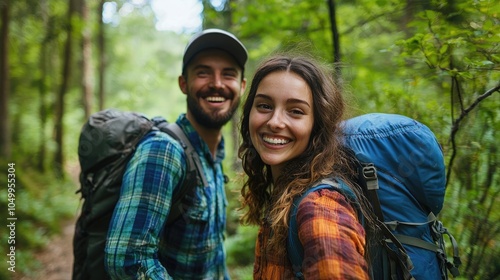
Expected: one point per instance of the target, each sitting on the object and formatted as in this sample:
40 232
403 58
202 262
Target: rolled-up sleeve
332 237
152 174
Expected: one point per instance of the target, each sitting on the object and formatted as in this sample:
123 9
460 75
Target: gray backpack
107 142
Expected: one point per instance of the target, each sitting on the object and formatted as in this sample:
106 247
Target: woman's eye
297 112
263 106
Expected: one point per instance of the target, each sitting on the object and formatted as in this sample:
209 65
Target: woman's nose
276 121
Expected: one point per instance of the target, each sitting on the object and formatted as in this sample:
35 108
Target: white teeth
215 99
275 141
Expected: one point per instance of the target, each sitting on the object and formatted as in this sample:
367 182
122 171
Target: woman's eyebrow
300 101
289 101
263 96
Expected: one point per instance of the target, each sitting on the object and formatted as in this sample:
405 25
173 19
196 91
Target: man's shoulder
157 138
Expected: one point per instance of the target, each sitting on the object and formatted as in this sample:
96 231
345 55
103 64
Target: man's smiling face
213 85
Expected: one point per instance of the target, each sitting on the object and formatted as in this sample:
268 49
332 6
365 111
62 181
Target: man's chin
215 123
210 121
213 119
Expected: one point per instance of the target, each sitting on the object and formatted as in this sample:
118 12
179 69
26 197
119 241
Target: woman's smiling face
281 119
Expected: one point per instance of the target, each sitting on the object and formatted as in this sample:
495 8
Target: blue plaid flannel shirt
139 245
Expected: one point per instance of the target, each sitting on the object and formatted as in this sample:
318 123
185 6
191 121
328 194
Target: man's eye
230 74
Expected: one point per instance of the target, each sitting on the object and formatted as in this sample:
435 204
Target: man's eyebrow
288 101
203 66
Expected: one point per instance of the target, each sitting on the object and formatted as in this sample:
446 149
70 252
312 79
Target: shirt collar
197 142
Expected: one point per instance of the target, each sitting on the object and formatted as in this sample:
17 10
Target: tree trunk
5 137
65 78
102 56
235 132
409 12
42 109
225 21
335 37
86 61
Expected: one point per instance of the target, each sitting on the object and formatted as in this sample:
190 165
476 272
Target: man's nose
217 82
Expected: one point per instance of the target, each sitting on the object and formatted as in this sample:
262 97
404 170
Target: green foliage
144 65
41 206
241 247
241 273
473 198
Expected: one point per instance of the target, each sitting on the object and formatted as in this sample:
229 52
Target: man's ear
243 86
183 84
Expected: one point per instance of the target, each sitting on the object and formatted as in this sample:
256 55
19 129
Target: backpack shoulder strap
194 174
398 257
294 247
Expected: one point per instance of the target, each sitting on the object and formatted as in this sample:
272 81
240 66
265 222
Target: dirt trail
56 258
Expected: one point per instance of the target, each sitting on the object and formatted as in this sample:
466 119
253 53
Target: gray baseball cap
215 39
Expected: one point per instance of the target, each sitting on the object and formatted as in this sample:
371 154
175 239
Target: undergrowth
42 204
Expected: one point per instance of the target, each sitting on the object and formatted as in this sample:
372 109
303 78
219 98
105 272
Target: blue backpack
401 170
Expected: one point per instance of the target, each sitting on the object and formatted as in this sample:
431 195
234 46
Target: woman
291 139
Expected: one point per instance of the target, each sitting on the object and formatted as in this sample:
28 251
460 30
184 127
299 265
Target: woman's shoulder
323 197
325 202
329 189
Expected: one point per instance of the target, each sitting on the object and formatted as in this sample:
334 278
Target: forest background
61 60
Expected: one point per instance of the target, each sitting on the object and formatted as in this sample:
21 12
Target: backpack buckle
370 175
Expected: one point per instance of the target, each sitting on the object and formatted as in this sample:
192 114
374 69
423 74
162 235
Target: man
140 245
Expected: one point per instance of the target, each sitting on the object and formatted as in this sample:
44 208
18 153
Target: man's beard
214 120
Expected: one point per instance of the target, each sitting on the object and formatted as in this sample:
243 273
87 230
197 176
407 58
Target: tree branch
456 124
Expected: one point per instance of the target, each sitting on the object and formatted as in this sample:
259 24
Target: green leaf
486 63
443 49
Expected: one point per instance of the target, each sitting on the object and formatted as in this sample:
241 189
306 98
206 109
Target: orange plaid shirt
332 237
